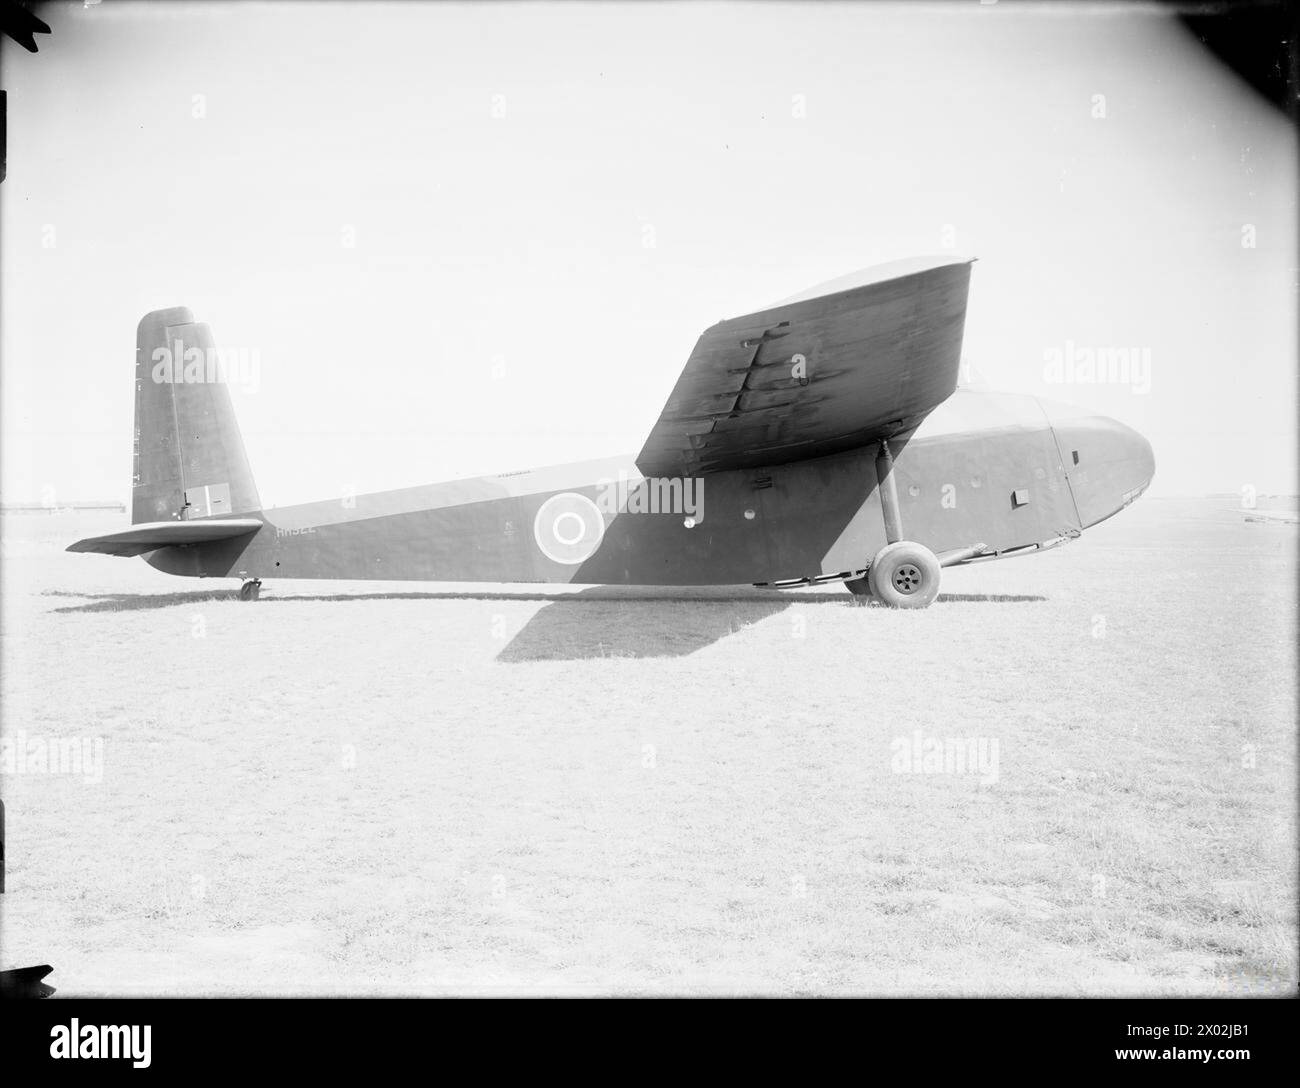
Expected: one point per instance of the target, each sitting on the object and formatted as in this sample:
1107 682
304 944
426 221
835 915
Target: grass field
366 788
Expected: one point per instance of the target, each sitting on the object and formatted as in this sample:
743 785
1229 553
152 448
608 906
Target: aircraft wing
149 535
837 367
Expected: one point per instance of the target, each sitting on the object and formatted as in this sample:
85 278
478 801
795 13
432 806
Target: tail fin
189 455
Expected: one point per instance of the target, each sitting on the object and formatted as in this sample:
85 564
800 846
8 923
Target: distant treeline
58 507
1237 498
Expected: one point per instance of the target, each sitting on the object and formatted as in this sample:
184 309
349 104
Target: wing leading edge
836 368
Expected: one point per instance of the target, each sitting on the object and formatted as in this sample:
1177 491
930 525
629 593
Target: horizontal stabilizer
164 534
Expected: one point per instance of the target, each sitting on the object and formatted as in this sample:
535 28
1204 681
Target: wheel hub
907 578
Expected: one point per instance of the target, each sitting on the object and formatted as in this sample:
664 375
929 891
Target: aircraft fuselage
1000 470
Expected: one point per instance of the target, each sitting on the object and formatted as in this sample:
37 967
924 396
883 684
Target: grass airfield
426 789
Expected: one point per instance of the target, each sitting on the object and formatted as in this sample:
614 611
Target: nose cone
1107 464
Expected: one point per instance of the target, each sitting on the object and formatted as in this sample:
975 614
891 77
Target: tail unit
189 456
190 473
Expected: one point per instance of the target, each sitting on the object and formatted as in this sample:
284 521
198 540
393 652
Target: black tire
905 575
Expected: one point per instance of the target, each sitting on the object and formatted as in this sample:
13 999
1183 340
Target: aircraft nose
1108 464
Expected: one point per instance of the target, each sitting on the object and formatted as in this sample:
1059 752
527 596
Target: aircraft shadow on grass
597 622
130 602
612 627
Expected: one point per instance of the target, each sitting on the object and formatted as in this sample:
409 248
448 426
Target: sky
453 240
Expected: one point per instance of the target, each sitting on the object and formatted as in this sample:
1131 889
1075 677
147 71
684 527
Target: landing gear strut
250 590
903 574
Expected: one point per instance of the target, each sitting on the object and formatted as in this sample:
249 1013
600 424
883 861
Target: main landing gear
903 574
250 590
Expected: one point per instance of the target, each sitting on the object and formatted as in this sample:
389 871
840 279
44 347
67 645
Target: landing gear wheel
904 575
861 589
250 590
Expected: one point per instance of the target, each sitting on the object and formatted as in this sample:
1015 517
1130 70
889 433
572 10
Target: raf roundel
568 528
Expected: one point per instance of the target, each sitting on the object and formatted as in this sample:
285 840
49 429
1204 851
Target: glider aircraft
822 439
